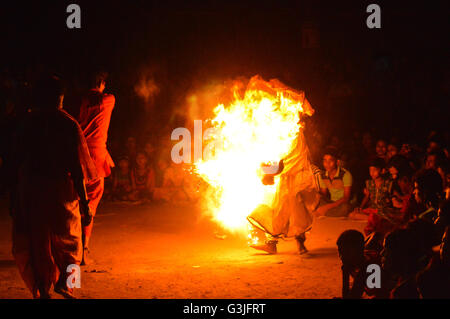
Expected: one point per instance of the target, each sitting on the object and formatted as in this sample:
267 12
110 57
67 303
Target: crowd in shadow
403 198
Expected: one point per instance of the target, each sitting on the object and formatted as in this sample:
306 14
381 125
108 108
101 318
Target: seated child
403 197
122 184
378 194
392 150
142 178
171 187
174 182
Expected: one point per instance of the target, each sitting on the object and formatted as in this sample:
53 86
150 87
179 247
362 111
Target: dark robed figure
49 201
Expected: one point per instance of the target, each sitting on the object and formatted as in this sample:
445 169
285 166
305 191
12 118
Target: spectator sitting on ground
407 152
335 187
436 145
378 189
400 173
381 150
439 163
396 164
172 185
142 179
403 198
433 160
392 150
354 265
428 192
351 252
122 184
378 194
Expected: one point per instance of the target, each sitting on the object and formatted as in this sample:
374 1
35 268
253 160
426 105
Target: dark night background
393 80
154 241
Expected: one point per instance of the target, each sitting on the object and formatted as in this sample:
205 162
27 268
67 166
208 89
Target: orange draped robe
94 118
50 150
290 213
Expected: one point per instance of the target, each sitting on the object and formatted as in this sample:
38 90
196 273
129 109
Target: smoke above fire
147 87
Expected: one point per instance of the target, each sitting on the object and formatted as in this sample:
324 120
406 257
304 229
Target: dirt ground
162 251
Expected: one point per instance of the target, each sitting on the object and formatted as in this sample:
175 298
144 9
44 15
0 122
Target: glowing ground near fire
171 252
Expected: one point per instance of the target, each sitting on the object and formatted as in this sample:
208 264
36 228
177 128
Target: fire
258 126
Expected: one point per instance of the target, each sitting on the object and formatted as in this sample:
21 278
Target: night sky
395 71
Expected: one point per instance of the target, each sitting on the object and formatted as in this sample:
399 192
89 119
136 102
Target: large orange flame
258 126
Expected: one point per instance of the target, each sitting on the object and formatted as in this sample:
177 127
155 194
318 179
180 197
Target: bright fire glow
258 126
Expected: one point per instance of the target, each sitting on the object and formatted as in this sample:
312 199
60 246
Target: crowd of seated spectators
145 173
403 198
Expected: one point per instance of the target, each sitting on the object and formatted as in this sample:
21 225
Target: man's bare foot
302 249
301 244
86 259
269 247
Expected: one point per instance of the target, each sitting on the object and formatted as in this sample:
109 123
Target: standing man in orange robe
50 166
95 115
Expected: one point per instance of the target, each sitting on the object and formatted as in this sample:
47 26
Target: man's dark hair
429 183
332 151
401 164
123 158
351 237
47 90
98 77
436 138
377 162
440 157
397 161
